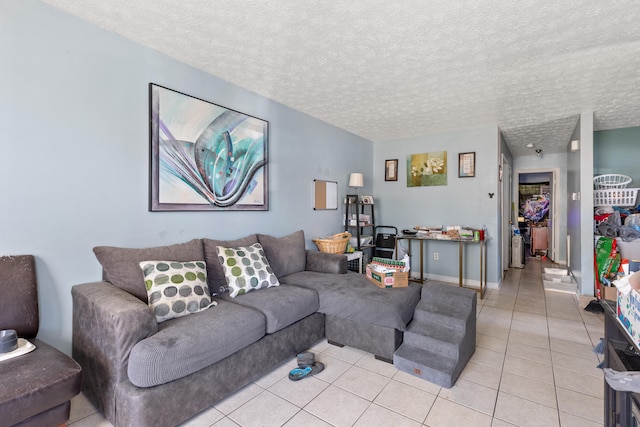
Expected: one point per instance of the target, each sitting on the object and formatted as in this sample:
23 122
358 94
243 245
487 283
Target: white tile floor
534 365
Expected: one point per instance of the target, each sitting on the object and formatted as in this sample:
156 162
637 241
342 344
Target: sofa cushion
246 269
324 262
215 273
287 255
281 305
187 344
176 289
35 383
121 265
352 296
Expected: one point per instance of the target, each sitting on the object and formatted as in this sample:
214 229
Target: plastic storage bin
615 197
611 180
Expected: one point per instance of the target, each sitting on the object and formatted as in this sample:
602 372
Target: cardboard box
629 314
609 292
388 280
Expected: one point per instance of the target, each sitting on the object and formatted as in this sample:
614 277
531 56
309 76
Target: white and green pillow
176 289
246 269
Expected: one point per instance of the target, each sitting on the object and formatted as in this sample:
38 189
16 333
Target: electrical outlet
436 256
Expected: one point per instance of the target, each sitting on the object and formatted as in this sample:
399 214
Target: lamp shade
356 180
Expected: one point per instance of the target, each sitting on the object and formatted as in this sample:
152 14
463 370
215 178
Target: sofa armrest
323 262
107 323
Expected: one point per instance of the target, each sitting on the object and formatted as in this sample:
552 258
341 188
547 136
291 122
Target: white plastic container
611 180
615 197
556 271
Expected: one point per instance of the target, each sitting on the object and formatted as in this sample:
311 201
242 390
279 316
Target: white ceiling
386 70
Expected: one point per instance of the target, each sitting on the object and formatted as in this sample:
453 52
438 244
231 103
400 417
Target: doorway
536 195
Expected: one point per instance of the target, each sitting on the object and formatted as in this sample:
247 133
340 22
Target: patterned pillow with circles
176 289
246 269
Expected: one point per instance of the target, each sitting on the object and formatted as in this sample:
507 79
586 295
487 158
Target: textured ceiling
386 70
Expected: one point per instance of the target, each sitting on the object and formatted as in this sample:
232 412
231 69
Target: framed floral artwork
427 169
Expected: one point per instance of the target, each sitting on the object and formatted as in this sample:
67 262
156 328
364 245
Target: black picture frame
391 170
467 165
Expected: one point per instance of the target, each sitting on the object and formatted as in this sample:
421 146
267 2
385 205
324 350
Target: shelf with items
359 220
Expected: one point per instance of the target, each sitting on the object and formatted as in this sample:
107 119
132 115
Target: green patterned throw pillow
246 269
176 289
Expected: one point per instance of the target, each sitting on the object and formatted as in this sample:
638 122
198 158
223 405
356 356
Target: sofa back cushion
19 290
323 262
121 266
215 272
286 255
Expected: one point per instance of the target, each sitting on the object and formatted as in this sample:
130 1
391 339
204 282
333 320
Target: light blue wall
573 208
616 151
463 201
586 283
75 143
580 210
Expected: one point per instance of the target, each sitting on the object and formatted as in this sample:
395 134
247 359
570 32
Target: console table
482 244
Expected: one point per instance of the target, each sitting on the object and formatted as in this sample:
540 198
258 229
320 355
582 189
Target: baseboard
469 283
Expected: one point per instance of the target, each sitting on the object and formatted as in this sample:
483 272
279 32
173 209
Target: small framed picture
367 200
391 170
467 165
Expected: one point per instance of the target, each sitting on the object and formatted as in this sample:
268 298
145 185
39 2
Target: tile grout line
504 359
553 370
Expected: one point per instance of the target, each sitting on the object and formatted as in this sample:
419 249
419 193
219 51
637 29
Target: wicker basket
612 180
336 244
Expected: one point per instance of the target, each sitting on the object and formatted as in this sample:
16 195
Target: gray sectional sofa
144 373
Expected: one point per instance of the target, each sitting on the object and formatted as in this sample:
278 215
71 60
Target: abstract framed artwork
427 169
467 165
391 170
205 157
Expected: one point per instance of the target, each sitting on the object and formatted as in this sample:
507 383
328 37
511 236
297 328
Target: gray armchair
35 388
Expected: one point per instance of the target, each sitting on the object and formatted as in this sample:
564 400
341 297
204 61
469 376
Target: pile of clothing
612 227
536 208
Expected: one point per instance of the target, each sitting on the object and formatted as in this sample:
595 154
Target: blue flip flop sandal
299 373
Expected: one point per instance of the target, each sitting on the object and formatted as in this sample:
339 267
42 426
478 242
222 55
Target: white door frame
507 213
555 231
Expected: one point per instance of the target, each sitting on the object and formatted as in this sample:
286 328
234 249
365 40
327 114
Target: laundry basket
336 244
615 197
611 180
